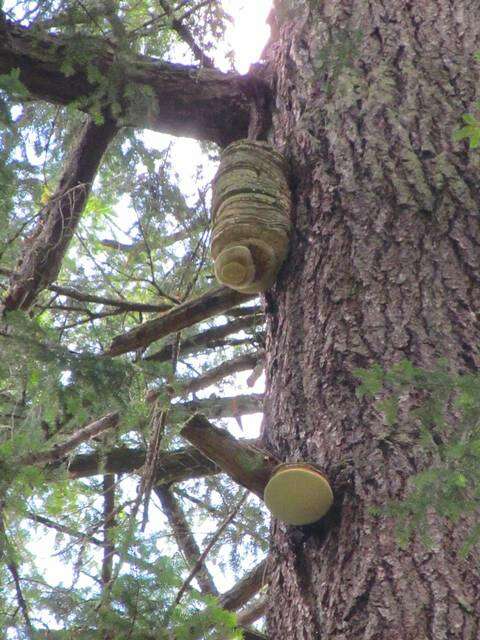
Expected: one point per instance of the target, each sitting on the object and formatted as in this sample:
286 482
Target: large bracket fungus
298 494
251 216
295 493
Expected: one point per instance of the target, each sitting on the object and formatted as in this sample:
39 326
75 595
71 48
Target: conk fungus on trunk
251 216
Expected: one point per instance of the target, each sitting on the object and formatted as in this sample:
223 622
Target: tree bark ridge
384 266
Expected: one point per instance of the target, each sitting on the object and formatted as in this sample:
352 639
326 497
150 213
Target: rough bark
384 265
178 99
43 252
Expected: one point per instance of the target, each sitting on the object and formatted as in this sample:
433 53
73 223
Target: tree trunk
384 266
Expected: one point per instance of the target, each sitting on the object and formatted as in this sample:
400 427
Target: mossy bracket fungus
298 494
251 216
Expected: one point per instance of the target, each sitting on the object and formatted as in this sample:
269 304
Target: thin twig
204 555
178 25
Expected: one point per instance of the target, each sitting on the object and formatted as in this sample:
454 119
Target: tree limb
184 538
60 450
43 252
51 524
253 612
185 315
207 550
182 100
206 339
243 363
224 407
173 466
245 589
84 296
127 305
186 36
245 464
108 524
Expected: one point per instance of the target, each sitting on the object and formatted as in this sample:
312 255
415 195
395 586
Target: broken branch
245 464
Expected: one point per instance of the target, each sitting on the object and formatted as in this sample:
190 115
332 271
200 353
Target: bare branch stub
248 466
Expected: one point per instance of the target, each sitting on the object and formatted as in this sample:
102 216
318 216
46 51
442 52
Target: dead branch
225 407
210 338
211 376
184 538
126 305
185 315
207 550
43 252
60 450
186 36
108 524
253 612
172 466
245 589
253 634
61 528
248 466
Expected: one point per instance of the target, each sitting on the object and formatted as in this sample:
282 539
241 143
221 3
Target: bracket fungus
298 494
251 216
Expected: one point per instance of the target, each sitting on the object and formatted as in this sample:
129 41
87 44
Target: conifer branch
248 466
177 99
253 612
245 589
43 252
211 376
60 450
178 25
207 550
208 339
184 315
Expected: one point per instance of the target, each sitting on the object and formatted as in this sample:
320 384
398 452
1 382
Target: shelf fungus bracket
295 493
251 216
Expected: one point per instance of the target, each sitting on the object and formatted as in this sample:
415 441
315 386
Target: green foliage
471 129
441 412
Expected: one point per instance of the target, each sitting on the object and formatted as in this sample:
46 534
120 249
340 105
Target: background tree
371 343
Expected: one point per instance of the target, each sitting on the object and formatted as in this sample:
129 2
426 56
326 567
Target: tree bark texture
384 265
